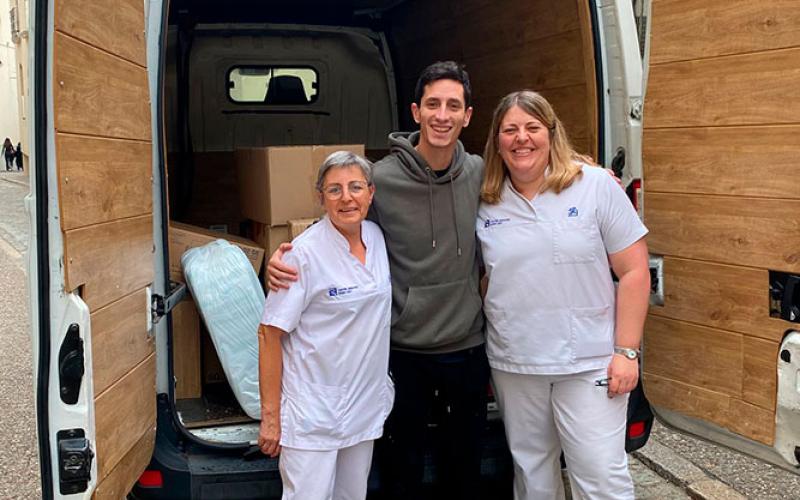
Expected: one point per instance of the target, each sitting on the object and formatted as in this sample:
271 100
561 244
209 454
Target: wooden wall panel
109 260
102 179
121 479
761 233
99 94
760 361
725 161
693 401
742 89
720 27
124 414
721 296
104 165
121 33
119 339
721 191
694 354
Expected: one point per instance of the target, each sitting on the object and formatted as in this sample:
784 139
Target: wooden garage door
722 201
103 157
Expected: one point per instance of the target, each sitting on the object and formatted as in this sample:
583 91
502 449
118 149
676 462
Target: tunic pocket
593 330
312 410
574 241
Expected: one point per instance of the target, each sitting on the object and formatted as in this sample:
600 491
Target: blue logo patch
572 212
338 292
495 222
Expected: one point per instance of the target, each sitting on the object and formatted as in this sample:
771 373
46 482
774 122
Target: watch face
630 354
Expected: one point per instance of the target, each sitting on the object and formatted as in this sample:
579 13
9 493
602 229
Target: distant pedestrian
8 151
18 156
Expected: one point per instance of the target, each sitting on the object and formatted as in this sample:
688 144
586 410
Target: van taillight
635 192
151 479
636 430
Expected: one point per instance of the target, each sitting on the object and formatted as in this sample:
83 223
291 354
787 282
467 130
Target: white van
138 107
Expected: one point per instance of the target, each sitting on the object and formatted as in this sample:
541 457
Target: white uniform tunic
550 302
335 386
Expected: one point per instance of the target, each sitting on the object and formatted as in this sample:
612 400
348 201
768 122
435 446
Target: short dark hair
444 70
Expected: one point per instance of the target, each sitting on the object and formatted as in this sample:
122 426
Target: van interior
247 73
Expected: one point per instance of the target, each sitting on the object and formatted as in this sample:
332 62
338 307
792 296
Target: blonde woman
562 341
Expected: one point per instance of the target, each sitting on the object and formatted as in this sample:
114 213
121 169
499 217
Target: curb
683 473
15 181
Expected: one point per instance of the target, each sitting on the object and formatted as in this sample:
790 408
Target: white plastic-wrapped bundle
230 300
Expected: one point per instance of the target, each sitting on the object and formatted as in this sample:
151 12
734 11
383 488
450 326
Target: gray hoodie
429 227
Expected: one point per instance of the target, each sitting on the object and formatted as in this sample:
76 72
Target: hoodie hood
403 145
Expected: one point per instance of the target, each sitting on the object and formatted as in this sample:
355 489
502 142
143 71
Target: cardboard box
213 373
186 350
269 237
182 237
297 226
277 184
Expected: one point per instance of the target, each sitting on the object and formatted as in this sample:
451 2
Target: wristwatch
627 352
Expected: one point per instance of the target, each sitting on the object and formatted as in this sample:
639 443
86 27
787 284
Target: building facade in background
14 83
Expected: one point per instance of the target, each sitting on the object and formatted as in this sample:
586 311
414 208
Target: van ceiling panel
328 12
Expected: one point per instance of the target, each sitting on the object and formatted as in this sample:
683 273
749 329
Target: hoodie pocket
437 315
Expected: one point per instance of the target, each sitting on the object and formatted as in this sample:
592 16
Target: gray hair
342 159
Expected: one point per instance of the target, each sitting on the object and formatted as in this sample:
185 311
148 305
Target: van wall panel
123 477
121 33
757 161
762 233
720 27
540 45
99 94
694 354
119 339
721 296
721 190
760 362
693 401
102 179
124 414
752 421
732 90
109 260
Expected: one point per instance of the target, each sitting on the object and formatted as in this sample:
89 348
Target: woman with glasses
324 344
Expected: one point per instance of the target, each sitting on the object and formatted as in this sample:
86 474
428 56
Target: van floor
217 406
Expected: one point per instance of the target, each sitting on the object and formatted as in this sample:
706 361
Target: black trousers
439 408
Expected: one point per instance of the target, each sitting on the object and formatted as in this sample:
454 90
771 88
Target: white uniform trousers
326 475
544 414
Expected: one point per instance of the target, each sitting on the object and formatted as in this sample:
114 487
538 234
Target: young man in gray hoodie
426 202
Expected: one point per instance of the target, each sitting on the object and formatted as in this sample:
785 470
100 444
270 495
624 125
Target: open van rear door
722 202
92 255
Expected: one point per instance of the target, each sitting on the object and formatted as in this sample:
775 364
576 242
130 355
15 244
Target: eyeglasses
336 191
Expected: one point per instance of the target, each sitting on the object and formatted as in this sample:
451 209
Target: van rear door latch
74 461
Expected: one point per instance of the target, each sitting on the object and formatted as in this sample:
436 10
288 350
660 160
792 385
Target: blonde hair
564 161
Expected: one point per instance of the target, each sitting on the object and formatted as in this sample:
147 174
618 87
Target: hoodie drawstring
455 219
430 200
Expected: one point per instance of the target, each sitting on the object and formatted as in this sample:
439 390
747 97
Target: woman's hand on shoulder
623 375
269 435
280 275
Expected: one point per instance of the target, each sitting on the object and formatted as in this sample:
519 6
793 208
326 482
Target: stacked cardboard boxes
278 185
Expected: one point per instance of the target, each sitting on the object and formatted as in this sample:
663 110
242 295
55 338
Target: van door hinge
74 461
160 306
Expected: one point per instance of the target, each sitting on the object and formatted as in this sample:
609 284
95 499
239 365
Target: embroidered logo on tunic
572 212
495 222
338 292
